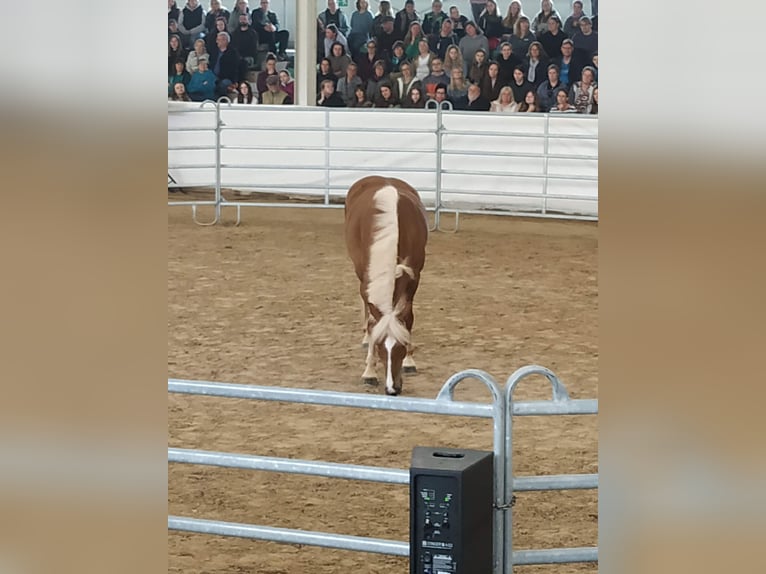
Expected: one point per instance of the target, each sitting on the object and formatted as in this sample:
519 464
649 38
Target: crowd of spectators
501 61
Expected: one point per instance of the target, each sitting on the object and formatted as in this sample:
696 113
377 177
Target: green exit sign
342 2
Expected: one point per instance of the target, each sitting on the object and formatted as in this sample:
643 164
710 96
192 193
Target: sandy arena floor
275 302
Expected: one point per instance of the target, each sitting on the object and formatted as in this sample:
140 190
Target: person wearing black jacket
476 102
266 24
328 97
570 63
507 61
216 11
245 40
519 84
225 64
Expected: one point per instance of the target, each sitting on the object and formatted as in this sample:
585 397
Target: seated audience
562 103
245 94
328 97
572 24
490 84
287 84
570 63
458 22
536 64
522 37
199 51
540 22
216 11
225 64
361 28
519 84
414 99
180 76
531 103
339 60
385 97
476 102
434 20
202 84
191 22
507 61
581 93
473 41
348 83
269 70
491 22
334 15
553 38
274 96
546 92
175 52
441 41
405 81
504 104
266 23
360 98
179 93
245 40
586 39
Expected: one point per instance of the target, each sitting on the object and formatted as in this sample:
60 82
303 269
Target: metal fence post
217 202
438 200
546 138
327 157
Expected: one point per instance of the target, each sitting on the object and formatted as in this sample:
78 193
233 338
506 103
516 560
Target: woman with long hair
458 88
522 37
245 94
491 83
504 103
491 22
562 103
325 73
594 105
179 93
360 98
411 39
180 75
339 60
515 11
531 103
287 84
540 23
453 59
536 64
478 68
414 99
175 52
385 97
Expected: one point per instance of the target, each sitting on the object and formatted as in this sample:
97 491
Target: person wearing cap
540 22
473 41
404 18
572 24
433 20
553 38
202 84
274 96
571 63
546 92
585 39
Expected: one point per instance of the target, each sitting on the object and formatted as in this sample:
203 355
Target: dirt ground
275 302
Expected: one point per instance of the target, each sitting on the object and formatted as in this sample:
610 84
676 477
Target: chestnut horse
386 234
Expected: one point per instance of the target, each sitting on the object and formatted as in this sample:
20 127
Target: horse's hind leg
408 365
369 377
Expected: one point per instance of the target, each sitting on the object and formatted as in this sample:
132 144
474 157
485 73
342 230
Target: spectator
473 40
266 23
504 103
173 29
507 61
334 15
404 18
365 61
245 40
440 99
386 39
572 24
478 68
536 64
540 23
491 23
441 41
192 60
361 28
378 77
325 73
216 11
331 36
287 84
360 98
414 99
422 61
594 64
191 22
519 84
581 93
347 84
384 12
269 69
570 64
180 76
328 97
225 63
179 93
562 103
173 12
211 39
531 103
585 39
490 84
522 37
405 82
553 38
202 84
546 92
477 7
458 22
385 97
245 94
397 58
412 39
434 20
339 60
274 96
175 52
241 8
594 106
436 77
457 89
454 59
476 102
515 11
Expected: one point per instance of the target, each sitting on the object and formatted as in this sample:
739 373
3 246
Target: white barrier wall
527 163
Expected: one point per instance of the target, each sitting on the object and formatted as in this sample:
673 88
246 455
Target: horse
386 232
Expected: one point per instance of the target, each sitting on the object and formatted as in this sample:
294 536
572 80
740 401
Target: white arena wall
537 164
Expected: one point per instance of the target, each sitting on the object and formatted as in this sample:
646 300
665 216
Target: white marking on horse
389 343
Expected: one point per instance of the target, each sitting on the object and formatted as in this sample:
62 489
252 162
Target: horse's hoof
370 381
392 393
409 370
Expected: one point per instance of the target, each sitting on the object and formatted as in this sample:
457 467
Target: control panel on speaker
434 519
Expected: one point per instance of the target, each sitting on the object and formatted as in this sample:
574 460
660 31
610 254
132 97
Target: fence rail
501 410
442 153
